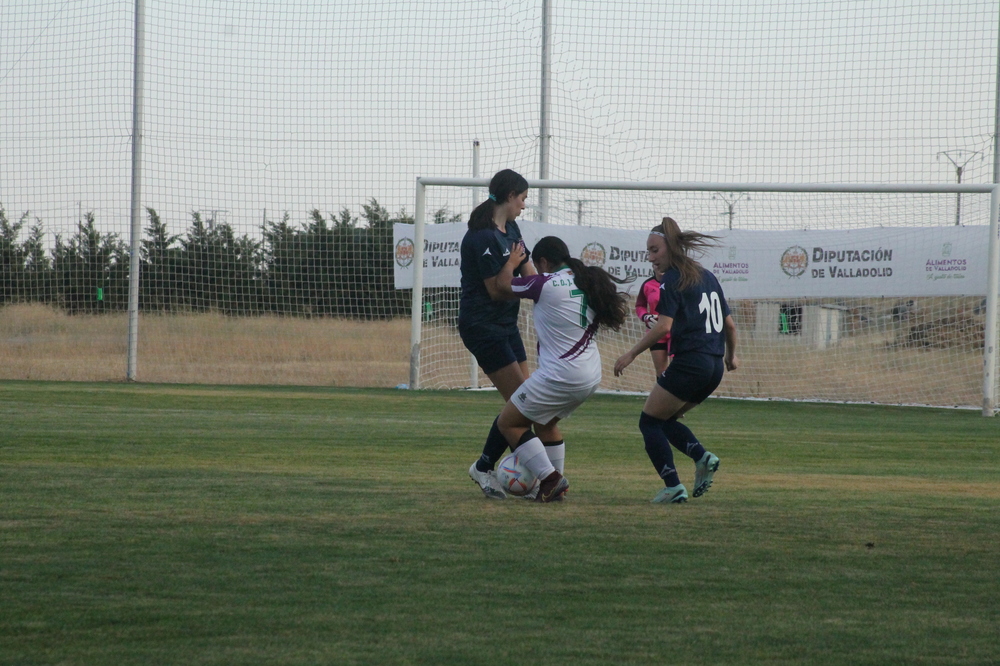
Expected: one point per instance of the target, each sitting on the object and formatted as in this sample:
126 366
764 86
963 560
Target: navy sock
658 448
493 450
683 439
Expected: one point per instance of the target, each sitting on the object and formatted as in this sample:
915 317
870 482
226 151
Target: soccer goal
870 293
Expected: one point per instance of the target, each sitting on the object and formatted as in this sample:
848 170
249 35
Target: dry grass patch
42 343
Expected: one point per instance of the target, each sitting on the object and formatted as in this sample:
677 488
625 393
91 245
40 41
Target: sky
255 109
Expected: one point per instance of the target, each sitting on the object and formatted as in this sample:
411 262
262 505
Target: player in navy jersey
487 317
572 301
693 309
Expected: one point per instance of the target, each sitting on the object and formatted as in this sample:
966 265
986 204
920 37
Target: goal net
848 296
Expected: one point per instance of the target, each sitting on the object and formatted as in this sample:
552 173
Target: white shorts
541 399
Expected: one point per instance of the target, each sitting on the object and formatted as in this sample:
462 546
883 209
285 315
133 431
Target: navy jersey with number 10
698 313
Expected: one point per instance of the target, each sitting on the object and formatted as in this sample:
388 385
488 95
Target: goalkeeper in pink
645 309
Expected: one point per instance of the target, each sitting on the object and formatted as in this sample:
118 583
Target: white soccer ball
515 478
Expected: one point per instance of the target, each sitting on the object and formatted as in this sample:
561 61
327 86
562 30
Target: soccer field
243 525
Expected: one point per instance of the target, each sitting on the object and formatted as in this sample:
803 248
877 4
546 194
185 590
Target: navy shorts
493 353
692 377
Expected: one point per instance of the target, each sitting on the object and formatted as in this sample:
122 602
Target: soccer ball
515 478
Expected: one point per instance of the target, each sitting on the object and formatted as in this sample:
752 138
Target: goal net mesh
919 342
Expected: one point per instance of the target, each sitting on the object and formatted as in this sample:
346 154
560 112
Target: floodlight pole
136 203
544 133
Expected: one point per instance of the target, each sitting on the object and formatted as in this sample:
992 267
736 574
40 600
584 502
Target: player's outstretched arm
660 328
729 328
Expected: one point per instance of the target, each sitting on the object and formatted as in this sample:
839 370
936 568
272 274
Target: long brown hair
608 304
680 244
503 186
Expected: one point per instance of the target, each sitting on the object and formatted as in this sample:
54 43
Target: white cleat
488 483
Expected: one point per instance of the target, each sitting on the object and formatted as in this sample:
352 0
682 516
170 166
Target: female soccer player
693 309
645 309
572 301
487 318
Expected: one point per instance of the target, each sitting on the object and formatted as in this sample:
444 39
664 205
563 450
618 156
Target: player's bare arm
660 328
729 328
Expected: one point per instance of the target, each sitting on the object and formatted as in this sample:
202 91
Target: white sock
533 456
557 456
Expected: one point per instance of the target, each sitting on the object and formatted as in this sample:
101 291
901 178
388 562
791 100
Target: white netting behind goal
282 139
856 297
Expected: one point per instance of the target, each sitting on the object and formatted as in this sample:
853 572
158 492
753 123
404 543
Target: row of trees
338 265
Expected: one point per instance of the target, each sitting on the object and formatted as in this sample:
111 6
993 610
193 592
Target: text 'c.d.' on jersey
698 313
564 324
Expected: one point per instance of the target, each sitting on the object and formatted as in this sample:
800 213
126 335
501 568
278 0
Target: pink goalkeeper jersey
646 300
564 324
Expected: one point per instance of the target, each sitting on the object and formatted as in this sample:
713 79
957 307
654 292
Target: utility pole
211 221
579 210
731 203
959 158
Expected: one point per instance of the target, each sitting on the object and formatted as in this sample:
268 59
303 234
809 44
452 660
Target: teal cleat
703 471
671 495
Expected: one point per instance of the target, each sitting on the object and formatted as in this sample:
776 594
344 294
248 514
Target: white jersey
564 324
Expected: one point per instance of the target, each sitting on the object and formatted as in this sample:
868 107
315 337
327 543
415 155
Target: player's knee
648 425
526 436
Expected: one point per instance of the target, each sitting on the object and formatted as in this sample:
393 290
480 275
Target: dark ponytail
609 305
504 184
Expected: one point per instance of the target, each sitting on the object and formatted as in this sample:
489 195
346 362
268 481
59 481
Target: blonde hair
680 245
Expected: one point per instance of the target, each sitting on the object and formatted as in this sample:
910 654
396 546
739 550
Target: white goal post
989 335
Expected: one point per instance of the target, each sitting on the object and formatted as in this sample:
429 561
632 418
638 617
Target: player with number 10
693 309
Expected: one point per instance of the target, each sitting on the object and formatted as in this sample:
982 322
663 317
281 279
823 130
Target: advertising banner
890 262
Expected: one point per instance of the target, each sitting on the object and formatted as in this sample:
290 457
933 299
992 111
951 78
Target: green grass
187 524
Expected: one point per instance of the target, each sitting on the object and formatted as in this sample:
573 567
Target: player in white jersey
572 301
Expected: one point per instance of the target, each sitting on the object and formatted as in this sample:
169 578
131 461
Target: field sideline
246 525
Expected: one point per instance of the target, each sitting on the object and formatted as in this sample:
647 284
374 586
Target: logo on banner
947 268
794 261
404 252
593 254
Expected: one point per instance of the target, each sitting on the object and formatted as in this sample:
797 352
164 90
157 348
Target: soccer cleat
552 488
703 471
672 495
487 482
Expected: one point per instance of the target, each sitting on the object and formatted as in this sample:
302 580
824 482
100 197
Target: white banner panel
892 262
